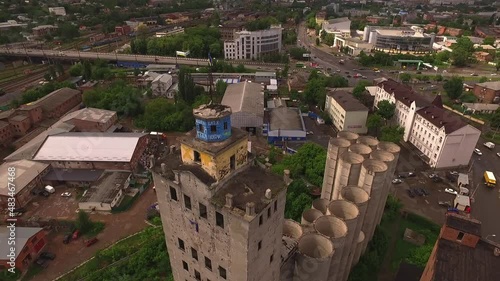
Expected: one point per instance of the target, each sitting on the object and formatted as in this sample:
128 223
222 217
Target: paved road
486 203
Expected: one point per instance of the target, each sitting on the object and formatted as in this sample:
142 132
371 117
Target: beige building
220 211
347 112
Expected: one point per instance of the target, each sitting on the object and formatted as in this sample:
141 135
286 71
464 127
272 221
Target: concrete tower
220 213
336 146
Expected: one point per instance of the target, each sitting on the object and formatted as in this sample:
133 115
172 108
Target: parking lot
54 206
319 133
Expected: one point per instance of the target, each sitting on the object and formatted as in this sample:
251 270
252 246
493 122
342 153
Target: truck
489 179
489 145
50 189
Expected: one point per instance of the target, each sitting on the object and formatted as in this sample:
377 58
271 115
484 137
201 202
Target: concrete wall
313 258
458 147
218 166
336 146
336 230
91 126
355 121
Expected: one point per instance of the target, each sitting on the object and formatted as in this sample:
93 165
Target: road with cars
486 200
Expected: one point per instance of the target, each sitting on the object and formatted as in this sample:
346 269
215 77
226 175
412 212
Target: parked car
66 194
450 191
91 242
67 238
478 152
47 255
424 191
498 154
431 176
42 262
407 175
454 173
397 181
76 234
411 193
418 191
446 204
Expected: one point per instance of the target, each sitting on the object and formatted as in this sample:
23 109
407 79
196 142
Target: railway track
18 85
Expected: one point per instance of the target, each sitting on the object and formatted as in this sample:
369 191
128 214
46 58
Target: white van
50 189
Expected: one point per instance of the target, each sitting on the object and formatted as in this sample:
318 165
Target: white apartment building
347 113
442 137
398 39
253 44
161 84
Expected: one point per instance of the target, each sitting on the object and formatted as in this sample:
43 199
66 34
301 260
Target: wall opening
460 236
196 156
213 129
232 162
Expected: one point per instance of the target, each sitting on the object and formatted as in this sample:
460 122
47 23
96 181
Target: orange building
29 243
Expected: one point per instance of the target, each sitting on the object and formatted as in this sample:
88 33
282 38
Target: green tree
220 88
392 134
438 78
68 31
318 42
59 68
52 73
454 87
87 70
495 120
405 77
374 122
443 56
298 53
119 96
497 64
483 79
187 91
360 88
489 40
419 256
462 51
386 109
83 222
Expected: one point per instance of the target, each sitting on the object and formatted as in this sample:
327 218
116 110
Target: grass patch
491 136
97 227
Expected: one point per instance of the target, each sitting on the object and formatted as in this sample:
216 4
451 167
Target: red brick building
93 120
460 254
487 92
30 241
17 122
123 30
59 102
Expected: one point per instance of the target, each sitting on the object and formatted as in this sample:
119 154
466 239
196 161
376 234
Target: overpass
73 55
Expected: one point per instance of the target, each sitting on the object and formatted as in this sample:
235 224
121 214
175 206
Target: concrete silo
321 205
388 159
360 198
313 258
361 149
359 249
394 149
292 231
348 171
309 216
350 136
370 141
372 179
349 213
336 146
335 229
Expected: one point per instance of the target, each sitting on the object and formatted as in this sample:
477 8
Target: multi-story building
487 92
17 122
346 112
442 137
398 39
460 242
91 119
59 102
338 27
248 45
228 29
30 241
221 213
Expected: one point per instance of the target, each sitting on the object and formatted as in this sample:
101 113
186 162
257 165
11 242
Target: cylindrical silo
361 149
348 171
359 197
388 159
336 146
394 149
349 213
321 205
309 216
369 140
335 229
359 249
350 136
314 255
292 229
372 180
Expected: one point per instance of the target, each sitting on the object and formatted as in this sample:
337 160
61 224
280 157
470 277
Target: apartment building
222 215
346 112
487 92
248 45
443 139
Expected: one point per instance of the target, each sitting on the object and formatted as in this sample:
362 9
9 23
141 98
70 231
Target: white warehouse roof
112 147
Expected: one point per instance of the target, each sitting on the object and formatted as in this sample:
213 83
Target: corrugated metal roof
23 234
26 171
245 97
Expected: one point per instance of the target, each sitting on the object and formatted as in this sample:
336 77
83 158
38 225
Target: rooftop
347 101
481 106
285 118
440 117
26 171
403 93
164 78
211 111
116 147
19 117
495 85
245 97
23 234
249 185
7 113
108 185
3 124
464 224
214 147
339 20
81 175
57 97
93 115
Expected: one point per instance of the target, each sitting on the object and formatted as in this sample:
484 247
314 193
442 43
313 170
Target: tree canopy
386 109
39 92
315 92
119 97
454 87
298 199
392 134
462 51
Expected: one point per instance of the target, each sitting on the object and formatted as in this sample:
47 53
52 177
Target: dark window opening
185 266
173 193
222 272
187 202
200 128
275 205
225 125
196 156
181 244
261 220
219 219
269 212
203 211
194 253
259 245
208 263
232 162
213 129
271 258
197 275
460 236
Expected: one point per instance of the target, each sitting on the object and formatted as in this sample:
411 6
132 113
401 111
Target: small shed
463 180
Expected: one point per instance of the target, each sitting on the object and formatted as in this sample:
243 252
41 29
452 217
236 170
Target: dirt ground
117 226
